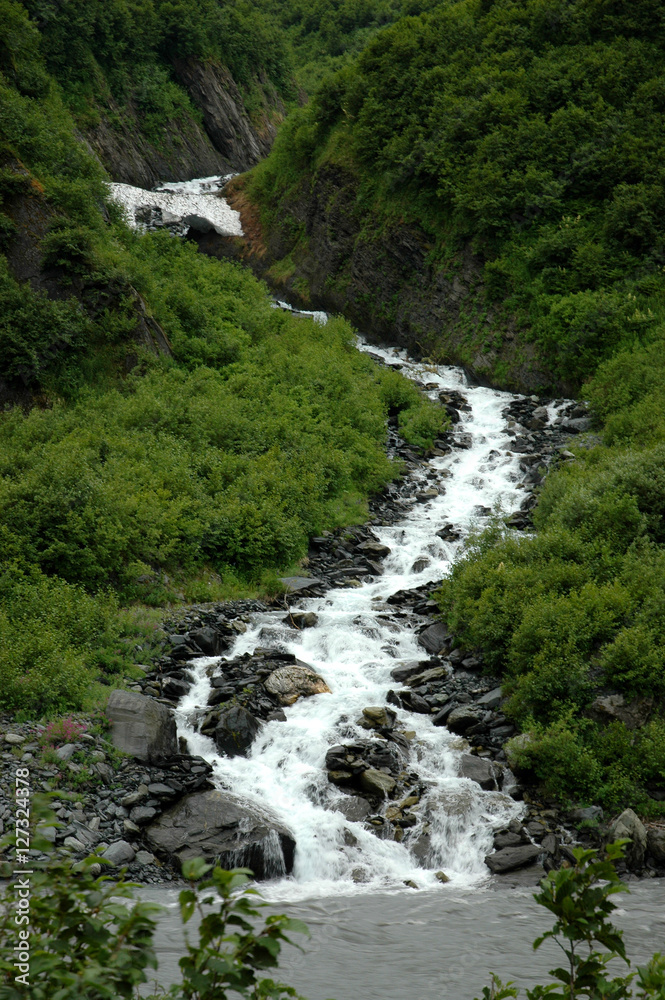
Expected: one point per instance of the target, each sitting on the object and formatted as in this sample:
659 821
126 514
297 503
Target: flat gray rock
218 827
120 853
294 584
510 858
141 726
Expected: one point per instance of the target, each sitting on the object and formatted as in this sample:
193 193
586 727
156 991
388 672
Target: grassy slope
533 129
193 476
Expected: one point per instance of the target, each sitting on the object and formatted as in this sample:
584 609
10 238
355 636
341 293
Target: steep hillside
486 183
513 148
165 433
167 91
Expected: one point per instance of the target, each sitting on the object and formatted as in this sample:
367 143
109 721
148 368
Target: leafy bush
580 899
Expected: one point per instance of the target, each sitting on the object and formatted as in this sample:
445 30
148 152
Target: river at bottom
425 945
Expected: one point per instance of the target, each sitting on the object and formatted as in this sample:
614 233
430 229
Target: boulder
462 718
302 619
377 717
376 782
216 826
141 726
656 844
209 641
610 707
354 808
298 584
119 853
375 550
235 731
490 700
629 825
409 668
292 682
435 639
484 772
510 858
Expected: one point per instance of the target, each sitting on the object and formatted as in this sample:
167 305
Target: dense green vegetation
195 475
326 35
531 131
121 53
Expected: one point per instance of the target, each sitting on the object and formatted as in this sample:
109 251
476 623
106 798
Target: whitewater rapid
180 205
358 640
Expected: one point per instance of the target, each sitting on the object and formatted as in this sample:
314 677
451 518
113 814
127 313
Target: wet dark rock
484 772
463 718
435 638
302 619
506 839
510 858
235 731
215 826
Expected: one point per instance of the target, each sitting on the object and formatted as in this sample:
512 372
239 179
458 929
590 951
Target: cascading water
356 643
354 646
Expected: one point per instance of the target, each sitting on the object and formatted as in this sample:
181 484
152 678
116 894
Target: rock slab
215 826
141 726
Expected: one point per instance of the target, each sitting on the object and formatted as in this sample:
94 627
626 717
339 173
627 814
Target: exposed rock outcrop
141 726
227 141
215 826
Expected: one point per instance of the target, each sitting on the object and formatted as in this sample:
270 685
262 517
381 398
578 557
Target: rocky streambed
340 738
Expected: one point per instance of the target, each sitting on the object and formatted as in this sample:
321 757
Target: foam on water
354 646
197 203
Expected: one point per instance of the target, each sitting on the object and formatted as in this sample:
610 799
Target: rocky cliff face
326 251
228 139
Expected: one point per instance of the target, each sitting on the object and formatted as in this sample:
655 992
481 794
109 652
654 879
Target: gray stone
403 671
141 727
144 858
216 826
506 839
14 739
130 827
142 815
375 550
491 700
376 717
292 682
302 619
484 772
462 718
427 676
510 858
656 844
296 584
66 752
435 638
119 853
209 641
354 808
235 731
607 708
376 782
133 798
161 790
629 825
48 832
73 844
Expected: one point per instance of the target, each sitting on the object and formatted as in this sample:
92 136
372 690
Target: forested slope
515 147
166 434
